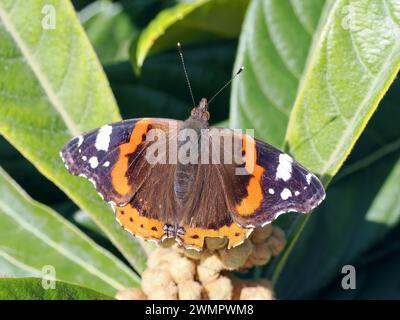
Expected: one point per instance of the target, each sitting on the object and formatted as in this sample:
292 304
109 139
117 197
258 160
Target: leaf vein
44 82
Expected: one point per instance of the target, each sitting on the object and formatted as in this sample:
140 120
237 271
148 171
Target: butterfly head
200 112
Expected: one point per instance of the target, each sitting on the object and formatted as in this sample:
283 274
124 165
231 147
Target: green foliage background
315 72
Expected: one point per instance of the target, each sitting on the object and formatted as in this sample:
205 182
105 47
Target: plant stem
292 239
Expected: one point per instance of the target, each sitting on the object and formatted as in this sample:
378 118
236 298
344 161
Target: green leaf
53 88
353 63
27 176
314 85
274 43
82 219
189 23
109 29
33 236
362 207
32 289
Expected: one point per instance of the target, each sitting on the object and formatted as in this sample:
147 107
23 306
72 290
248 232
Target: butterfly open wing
110 157
113 159
273 183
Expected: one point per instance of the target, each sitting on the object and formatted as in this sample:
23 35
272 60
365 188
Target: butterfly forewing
274 184
109 156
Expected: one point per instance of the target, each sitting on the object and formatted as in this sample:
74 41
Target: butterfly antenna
186 74
226 84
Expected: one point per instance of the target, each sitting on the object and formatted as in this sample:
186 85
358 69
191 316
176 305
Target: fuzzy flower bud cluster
176 273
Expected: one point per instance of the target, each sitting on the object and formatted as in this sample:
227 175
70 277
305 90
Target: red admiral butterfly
196 199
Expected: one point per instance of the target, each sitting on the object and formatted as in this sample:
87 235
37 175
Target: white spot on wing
93 162
106 164
296 193
103 138
271 191
284 169
84 158
308 178
286 194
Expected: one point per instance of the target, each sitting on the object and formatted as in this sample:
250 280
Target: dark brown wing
148 181
206 212
250 188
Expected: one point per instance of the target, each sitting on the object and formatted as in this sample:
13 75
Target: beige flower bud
261 254
182 269
168 292
154 278
260 291
219 289
235 258
259 235
251 289
189 290
162 256
168 243
191 253
277 241
130 294
216 243
209 268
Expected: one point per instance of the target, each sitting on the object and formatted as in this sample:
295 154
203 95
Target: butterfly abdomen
183 180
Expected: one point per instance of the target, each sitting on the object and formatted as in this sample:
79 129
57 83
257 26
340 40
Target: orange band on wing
254 197
194 237
146 228
118 174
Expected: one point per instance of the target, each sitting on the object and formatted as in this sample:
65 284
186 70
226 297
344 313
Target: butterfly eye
206 115
193 112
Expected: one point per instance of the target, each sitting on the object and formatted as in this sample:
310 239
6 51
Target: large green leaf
109 29
33 236
274 43
361 208
27 175
188 23
366 190
32 289
353 62
53 88
348 70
